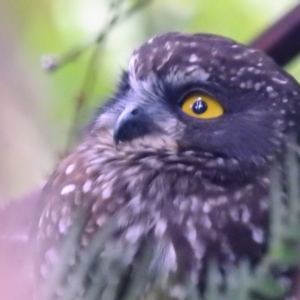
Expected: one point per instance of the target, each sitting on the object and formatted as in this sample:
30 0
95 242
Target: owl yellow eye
202 106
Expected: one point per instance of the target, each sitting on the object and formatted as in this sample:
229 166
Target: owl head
203 98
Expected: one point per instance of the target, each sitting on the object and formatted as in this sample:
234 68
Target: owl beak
132 123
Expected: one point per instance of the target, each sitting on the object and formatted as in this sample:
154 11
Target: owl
173 171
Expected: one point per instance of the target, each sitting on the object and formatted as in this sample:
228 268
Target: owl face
204 94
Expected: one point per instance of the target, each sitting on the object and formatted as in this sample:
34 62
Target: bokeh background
37 107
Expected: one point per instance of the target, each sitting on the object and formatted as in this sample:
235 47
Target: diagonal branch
281 41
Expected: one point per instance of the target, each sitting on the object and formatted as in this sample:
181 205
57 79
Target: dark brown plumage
195 189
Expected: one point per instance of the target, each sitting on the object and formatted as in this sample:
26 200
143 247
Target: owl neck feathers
162 154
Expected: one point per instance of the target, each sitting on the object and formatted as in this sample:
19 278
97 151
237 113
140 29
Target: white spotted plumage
194 190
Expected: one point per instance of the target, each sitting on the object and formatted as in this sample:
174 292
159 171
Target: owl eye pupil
199 107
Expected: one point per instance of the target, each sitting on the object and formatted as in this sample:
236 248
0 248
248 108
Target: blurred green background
36 107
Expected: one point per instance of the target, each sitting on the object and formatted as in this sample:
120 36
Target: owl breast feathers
175 164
